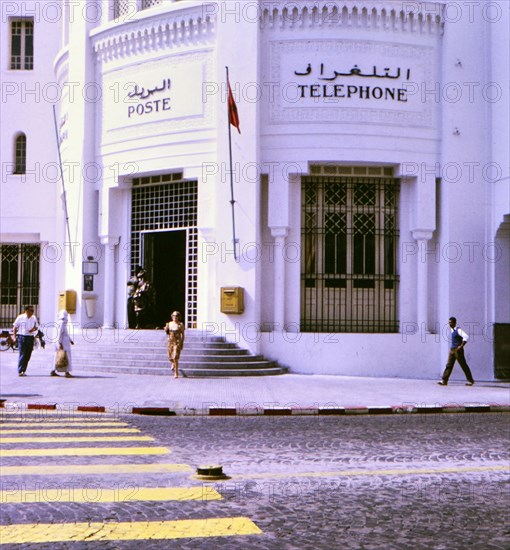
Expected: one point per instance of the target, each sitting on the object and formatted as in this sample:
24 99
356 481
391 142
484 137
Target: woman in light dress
175 331
63 342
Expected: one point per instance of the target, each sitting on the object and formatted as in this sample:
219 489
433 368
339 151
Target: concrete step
128 337
189 372
109 358
145 352
141 353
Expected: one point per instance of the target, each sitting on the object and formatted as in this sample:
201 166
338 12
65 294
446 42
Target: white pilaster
279 234
110 243
422 283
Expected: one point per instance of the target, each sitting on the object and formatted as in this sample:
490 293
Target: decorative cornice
61 64
413 17
185 27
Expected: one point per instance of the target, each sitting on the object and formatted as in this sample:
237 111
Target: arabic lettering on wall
340 90
137 96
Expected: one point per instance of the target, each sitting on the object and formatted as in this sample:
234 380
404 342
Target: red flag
233 116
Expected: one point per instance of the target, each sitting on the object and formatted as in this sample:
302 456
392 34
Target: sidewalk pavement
283 394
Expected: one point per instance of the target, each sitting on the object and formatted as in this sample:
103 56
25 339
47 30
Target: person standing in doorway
458 339
64 342
175 330
25 328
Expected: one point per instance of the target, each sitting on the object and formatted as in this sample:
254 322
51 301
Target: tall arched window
20 154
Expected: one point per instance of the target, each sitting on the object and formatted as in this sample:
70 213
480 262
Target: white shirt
461 333
25 325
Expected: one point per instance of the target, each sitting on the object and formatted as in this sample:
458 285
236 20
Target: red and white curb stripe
259 411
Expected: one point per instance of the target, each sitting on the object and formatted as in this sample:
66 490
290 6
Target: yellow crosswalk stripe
67 431
60 423
95 438
16 495
69 469
83 451
143 530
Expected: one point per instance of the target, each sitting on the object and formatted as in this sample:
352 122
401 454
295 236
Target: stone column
279 234
110 243
106 11
422 283
278 222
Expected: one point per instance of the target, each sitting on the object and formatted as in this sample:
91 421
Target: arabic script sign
153 92
330 83
139 103
355 81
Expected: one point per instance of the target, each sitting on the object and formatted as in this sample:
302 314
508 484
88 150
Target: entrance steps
145 352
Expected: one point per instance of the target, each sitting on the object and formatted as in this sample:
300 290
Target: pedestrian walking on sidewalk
25 328
64 342
458 339
175 330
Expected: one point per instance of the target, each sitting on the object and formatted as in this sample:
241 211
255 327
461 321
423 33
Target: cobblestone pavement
382 482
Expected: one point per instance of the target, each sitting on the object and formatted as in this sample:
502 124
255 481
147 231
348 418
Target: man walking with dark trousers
458 340
25 330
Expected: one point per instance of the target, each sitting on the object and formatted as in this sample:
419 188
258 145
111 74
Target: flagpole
64 193
232 201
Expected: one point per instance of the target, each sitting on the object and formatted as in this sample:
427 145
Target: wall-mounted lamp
89 267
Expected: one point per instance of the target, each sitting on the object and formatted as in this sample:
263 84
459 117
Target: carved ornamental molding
410 17
186 27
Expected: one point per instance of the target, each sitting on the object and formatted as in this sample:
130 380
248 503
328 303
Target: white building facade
370 191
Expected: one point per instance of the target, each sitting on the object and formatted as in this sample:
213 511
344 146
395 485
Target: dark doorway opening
164 255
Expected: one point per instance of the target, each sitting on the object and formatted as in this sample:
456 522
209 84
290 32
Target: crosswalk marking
60 423
15 492
65 414
154 530
70 469
67 431
100 494
83 451
76 439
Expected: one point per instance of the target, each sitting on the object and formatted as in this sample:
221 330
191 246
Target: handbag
61 361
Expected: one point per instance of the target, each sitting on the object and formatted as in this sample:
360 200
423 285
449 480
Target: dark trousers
25 345
457 355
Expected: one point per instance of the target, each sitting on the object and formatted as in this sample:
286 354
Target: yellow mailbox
67 301
232 299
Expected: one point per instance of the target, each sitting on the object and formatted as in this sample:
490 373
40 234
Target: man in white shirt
458 339
25 329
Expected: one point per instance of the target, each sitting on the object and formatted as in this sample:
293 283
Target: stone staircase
145 352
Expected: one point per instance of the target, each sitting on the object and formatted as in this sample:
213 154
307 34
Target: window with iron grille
20 154
19 279
121 8
166 202
151 3
22 44
349 280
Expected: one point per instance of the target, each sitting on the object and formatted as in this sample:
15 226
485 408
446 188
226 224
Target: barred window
151 3
22 44
20 154
349 279
19 279
163 203
121 8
